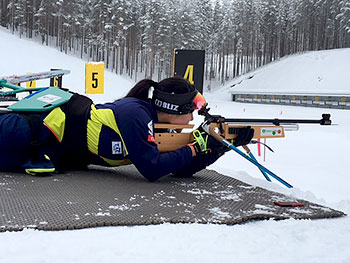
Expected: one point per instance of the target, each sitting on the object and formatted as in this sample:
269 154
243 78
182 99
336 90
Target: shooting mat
121 196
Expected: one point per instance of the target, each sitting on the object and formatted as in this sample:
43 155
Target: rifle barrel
324 121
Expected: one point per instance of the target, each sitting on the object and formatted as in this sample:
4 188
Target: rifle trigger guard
205 127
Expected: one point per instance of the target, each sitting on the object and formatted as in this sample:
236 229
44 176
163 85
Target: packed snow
288 74
313 160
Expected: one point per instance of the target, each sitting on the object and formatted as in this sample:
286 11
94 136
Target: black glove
244 136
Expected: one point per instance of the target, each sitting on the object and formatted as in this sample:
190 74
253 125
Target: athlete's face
175 119
181 119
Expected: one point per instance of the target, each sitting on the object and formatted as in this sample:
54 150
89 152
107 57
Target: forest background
138 37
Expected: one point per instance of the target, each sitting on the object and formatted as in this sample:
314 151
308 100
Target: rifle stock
170 141
228 129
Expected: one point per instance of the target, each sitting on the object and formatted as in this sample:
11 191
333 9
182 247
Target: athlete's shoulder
128 104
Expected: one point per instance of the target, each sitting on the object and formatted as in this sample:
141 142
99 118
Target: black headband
171 103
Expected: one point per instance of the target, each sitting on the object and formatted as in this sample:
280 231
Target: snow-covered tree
141 35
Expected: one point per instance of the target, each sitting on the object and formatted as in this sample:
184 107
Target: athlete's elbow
151 179
152 176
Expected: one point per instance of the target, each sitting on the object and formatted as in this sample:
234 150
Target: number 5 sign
94 78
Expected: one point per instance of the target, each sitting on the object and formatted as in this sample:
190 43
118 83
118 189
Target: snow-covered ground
319 72
313 159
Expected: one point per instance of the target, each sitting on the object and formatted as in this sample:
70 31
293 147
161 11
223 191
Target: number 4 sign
189 64
94 78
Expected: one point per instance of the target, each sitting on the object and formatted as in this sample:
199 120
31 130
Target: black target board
189 64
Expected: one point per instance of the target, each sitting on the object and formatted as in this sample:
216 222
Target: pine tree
140 36
344 15
17 16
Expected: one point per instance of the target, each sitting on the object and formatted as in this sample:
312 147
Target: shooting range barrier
337 101
122 197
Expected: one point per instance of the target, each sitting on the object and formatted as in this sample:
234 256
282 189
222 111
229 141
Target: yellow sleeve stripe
56 121
93 135
99 117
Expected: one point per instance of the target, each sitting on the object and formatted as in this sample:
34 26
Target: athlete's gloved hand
204 143
244 136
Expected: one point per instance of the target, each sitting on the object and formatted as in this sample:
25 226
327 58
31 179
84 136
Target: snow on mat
120 196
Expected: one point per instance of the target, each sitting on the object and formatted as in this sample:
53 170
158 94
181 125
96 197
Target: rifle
225 130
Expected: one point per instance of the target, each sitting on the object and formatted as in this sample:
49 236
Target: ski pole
232 147
253 157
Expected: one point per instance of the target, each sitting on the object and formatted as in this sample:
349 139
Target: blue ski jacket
132 139
109 134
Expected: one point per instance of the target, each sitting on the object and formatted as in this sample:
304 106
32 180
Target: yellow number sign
94 78
55 82
31 84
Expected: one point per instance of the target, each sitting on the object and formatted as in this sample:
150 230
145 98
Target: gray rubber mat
121 196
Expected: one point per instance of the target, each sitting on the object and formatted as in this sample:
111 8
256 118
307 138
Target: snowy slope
314 160
20 56
327 71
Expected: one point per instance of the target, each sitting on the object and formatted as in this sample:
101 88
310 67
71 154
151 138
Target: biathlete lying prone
79 133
